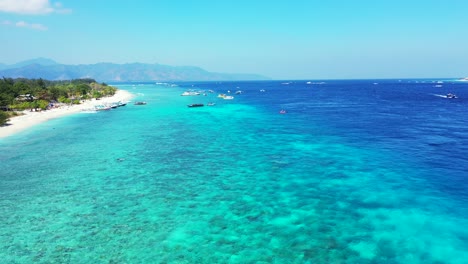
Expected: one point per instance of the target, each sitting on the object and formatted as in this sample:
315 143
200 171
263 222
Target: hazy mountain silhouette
51 70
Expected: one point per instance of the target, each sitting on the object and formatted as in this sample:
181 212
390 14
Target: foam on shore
29 119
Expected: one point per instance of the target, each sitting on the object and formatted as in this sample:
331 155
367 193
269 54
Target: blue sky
294 39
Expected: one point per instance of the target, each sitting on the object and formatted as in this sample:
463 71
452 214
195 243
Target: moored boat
120 103
101 107
190 93
226 97
195 105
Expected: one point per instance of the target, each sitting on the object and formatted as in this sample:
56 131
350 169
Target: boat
210 104
451 96
225 97
282 111
140 103
189 93
238 92
117 104
101 107
195 105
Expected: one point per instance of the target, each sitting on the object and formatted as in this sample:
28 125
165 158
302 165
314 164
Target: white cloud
38 27
60 9
32 7
23 24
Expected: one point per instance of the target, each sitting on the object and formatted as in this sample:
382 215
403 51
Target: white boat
451 96
102 107
225 97
189 93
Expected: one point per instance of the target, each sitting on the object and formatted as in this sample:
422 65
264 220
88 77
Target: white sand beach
29 119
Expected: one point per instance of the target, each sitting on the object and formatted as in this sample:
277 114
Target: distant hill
40 61
50 70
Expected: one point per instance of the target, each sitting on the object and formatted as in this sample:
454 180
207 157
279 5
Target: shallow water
355 172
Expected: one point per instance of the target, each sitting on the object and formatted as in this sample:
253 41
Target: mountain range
111 72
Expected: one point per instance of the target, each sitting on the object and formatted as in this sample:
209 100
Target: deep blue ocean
356 171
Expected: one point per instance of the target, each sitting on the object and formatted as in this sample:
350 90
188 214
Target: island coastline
29 119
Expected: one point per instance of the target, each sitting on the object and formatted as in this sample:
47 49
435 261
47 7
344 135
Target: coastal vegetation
4 117
38 94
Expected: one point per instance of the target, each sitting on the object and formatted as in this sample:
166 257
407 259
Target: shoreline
30 119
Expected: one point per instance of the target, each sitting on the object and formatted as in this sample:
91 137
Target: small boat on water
189 93
120 103
101 107
226 97
282 111
451 96
195 105
140 103
210 104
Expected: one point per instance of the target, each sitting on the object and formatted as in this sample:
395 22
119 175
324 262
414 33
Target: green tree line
20 94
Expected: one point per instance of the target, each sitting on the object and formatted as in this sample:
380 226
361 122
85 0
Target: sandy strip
29 119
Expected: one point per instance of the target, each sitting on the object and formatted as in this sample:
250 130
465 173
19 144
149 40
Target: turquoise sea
360 171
